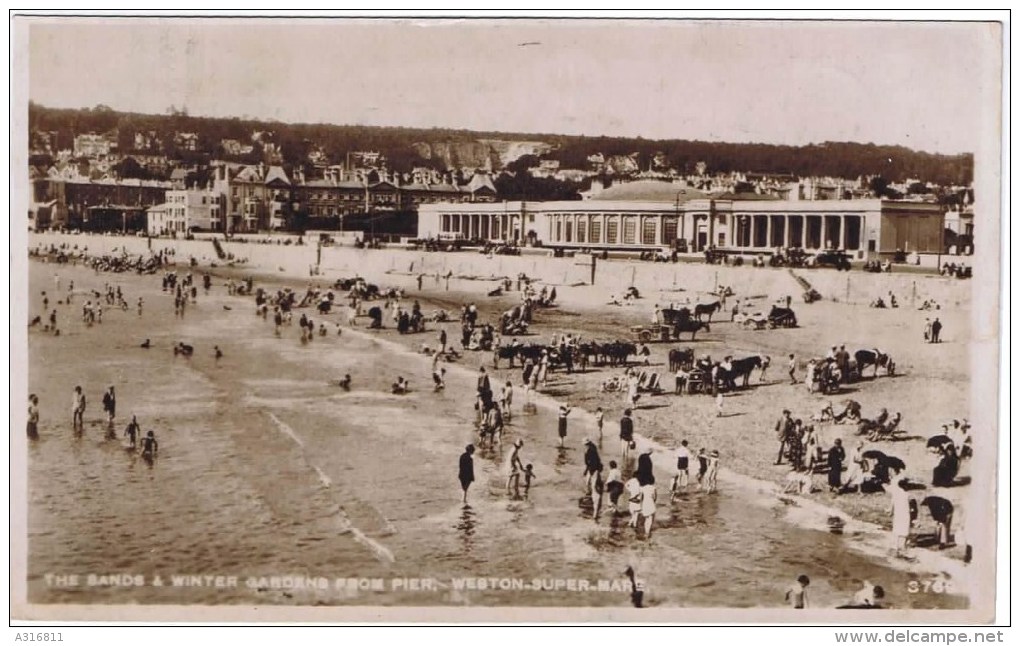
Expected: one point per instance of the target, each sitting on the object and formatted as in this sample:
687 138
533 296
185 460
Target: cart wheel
645 336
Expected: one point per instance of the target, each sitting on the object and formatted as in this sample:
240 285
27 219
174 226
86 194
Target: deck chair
653 383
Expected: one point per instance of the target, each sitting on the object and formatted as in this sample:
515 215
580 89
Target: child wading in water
702 468
132 431
529 475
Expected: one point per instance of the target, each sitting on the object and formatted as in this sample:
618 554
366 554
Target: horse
691 326
875 358
617 352
671 316
375 313
709 309
587 351
680 358
743 367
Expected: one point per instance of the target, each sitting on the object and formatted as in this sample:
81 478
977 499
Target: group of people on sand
870 471
870 596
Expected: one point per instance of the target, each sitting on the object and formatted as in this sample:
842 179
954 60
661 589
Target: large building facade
864 228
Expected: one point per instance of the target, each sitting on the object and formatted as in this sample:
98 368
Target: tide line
287 430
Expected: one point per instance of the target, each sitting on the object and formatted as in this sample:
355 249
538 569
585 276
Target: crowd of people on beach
870 470
92 312
630 474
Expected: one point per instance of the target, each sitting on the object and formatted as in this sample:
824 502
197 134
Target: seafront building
688 219
185 210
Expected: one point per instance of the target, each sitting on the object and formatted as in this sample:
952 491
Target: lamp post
680 223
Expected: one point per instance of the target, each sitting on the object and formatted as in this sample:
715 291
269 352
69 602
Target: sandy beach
290 381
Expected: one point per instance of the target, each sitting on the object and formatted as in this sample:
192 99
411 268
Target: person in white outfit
648 498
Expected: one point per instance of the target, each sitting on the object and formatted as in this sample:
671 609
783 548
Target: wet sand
261 451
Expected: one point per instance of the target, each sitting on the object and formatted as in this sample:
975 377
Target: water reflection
561 458
466 528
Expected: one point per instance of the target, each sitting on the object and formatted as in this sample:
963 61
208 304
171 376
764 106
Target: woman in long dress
632 389
835 460
901 515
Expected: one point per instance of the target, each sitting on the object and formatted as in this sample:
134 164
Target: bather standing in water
150 447
132 431
466 473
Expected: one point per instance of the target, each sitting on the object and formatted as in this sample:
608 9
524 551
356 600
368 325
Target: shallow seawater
267 470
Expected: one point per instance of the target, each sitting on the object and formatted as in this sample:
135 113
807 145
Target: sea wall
661 281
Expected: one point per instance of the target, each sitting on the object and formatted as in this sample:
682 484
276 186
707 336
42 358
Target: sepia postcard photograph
478 319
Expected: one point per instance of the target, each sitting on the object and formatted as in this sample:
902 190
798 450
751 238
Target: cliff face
488 154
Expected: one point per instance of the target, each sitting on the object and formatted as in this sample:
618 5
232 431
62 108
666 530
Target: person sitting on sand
344 383
401 387
868 596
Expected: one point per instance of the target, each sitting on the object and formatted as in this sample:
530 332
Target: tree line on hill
396 144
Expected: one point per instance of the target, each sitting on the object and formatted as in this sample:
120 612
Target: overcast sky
895 83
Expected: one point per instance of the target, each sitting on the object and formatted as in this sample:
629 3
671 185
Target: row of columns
502 226
824 222
478 225
558 228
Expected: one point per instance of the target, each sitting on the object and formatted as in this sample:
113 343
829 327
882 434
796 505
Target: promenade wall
661 281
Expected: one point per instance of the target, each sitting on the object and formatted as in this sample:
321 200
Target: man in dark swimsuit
467 470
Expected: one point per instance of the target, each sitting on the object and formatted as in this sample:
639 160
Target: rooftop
649 191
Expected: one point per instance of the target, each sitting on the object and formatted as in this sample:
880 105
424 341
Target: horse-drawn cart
652 332
698 381
782 317
755 321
